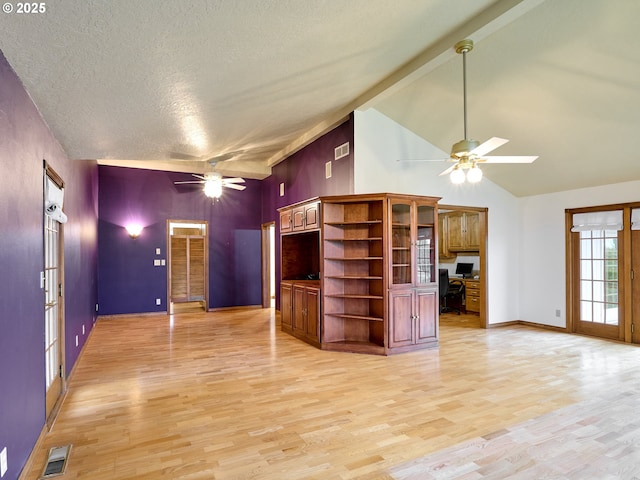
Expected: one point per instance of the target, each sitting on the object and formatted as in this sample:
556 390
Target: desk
471 293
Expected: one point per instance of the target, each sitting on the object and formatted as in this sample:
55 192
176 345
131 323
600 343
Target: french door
600 312
53 280
603 259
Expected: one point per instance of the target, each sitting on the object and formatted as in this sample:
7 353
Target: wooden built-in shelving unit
353 267
368 247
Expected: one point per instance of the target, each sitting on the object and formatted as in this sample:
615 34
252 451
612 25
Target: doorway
53 284
462 239
268 239
188 273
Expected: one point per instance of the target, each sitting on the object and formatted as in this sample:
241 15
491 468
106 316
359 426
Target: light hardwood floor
226 395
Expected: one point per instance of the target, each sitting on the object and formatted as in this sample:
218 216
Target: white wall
542 283
380 142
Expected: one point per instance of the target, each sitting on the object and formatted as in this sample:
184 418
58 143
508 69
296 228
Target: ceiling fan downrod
464 46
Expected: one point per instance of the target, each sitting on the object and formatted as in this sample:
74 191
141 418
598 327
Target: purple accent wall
130 283
25 141
303 174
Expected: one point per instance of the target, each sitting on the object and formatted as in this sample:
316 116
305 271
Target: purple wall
25 141
303 174
130 283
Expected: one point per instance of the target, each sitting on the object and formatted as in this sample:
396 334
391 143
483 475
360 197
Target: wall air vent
341 151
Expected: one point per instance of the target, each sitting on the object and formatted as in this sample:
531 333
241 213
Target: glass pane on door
401 243
599 277
425 248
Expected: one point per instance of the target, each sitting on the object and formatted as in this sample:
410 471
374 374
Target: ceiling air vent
341 151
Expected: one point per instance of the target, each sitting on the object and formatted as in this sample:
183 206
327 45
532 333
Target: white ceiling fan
468 153
214 183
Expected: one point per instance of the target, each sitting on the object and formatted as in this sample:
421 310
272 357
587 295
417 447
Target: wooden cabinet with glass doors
413 290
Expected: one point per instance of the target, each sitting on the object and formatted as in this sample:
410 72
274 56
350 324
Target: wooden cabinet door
286 224
305 217
311 216
472 230
299 306
297 219
443 238
401 318
286 305
313 313
426 310
455 231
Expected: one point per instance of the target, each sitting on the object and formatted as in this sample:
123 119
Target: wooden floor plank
226 395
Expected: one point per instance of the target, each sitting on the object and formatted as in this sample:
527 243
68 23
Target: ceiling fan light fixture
457 176
474 175
213 188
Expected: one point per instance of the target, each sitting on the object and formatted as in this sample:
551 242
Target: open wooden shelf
356 317
355 296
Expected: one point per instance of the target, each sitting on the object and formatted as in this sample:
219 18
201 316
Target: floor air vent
56 462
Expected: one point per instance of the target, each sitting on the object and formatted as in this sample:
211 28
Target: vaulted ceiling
169 85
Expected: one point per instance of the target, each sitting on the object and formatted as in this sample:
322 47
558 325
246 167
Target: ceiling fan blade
234 186
509 159
488 146
448 170
233 180
190 181
199 176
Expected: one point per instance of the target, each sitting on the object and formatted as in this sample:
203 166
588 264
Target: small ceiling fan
214 182
468 153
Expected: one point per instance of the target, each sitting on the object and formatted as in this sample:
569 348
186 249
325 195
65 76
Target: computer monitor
464 269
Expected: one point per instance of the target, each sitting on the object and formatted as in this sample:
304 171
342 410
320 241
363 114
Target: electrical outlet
76 340
558 313
83 328
158 301
96 307
282 189
4 466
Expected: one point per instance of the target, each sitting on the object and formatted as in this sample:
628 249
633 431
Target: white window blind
605 220
635 219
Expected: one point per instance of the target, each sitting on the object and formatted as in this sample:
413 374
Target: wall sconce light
134 230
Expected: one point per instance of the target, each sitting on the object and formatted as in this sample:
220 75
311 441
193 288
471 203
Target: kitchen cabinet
462 232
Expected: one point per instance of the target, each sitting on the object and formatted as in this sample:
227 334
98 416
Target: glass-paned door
53 346
425 248
401 261
599 258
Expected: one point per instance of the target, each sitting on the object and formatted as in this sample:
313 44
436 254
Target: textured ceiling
169 84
